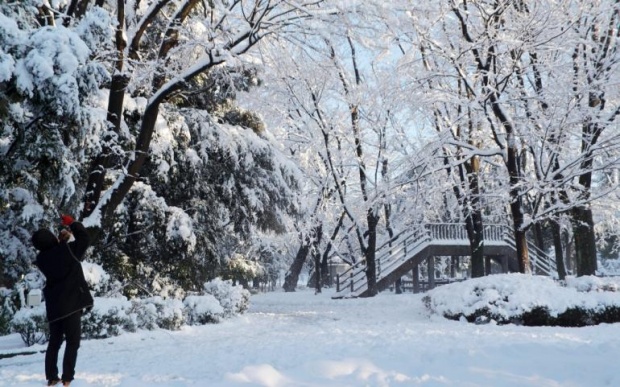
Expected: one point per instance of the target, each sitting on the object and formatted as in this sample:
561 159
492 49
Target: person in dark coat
66 294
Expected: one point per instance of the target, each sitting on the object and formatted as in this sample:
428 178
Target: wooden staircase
408 250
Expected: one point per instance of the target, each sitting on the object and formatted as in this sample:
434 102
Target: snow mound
509 296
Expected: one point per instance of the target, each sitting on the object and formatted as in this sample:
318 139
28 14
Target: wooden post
415 274
431 272
351 281
337 282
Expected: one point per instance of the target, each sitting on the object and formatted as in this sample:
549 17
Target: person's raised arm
82 240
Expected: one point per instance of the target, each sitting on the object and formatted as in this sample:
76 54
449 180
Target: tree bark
557 243
473 218
292 276
318 235
516 207
317 271
371 268
119 82
308 245
105 160
585 243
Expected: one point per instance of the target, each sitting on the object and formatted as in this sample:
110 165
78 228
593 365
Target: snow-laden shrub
31 324
12 300
109 317
528 300
204 309
593 283
112 316
144 314
5 322
100 281
7 310
233 298
157 312
241 268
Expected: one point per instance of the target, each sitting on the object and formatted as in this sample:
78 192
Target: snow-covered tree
50 111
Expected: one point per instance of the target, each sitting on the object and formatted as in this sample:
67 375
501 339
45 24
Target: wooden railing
393 253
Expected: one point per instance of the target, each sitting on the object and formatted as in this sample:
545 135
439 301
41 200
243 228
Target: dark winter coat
66 291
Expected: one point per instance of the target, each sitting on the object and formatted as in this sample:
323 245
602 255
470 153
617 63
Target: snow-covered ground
302 339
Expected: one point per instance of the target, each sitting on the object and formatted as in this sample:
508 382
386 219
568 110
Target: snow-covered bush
242 269
112 316
200 310
31 324
12 300
99 280
157 312
109 317
144 314
233 298
5 321
529 300
7 310
593 284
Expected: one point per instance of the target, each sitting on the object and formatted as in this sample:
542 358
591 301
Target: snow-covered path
302 339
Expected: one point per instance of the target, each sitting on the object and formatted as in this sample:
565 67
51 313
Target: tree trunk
325 277
583 222
371 268
473 217
292 276
318 234
143 142
585 242
309 244
118 86
105 159
539 237
557 243
514 171
387 209
317 271
522 251
476 242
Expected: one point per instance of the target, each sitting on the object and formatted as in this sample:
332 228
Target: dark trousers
68 329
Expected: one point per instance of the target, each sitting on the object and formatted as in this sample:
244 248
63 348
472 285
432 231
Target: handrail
413 248
355 274
538 258
546 264
353 279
